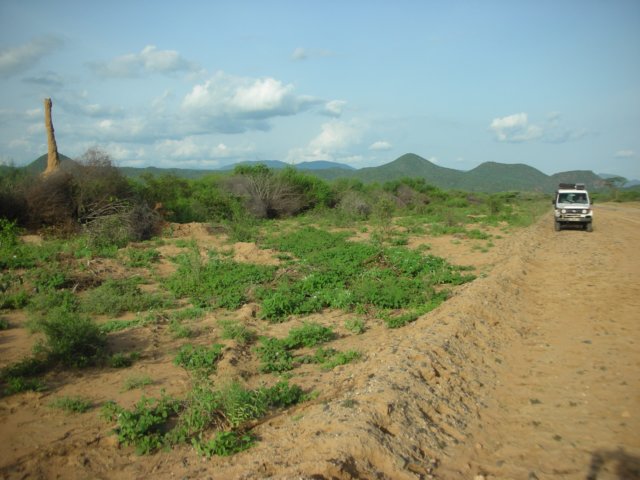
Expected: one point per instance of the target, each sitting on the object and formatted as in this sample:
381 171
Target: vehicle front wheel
556 226
589 227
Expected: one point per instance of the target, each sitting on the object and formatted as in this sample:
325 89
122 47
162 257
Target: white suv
573 206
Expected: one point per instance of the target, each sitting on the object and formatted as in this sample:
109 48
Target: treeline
93 195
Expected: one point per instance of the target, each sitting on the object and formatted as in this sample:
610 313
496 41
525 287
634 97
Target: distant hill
487 177
39 165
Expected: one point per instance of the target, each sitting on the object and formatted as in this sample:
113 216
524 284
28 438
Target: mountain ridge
486 177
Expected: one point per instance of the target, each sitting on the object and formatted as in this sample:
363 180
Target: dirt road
567 400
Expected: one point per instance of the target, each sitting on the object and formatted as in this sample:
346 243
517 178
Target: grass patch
72 404
141 258
114 297
133 383
235 330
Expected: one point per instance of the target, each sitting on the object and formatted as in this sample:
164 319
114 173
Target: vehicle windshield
572 198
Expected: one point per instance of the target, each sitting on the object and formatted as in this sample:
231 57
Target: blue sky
553 84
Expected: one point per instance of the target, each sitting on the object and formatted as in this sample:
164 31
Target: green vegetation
334 272
218 282
154 423
71 339
72 404
133 383
237 331
198 358
345 245
114 297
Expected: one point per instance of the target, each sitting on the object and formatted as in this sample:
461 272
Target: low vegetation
100 293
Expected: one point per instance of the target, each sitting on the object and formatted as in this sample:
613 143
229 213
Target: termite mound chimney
53 160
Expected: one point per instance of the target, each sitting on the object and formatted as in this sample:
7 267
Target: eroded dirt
531 371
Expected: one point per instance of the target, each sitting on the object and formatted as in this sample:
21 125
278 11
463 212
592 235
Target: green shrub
146 424
355 325
308 335
70 338
4 324
122 360
199 358
224 444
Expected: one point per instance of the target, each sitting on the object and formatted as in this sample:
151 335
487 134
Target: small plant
340 358
199 358
122 360
237 331
133 383
146 424
137 257
355 325
23 384
72 404
308 335
224 444
181 331
274 355
4 324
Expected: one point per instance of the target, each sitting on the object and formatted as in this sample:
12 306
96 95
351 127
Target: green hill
487 177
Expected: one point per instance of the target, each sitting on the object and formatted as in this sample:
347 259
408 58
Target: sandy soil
531 371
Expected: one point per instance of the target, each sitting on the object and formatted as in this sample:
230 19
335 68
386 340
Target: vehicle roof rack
572 186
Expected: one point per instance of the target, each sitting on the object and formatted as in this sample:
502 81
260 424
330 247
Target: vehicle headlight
585 211
564 210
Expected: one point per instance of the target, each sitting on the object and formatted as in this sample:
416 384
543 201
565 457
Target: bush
53 201
265 193
71 339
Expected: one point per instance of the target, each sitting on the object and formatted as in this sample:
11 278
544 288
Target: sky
204 84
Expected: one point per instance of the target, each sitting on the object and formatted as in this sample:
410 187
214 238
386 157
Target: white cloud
334 108
149 60
203 147
625 154
515 128
334 142
233 104
380 146
14 60
299 54
336 135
